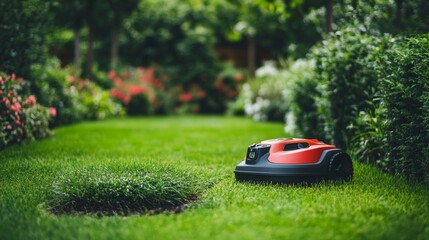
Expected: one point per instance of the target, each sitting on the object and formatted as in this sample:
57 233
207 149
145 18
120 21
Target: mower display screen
295 146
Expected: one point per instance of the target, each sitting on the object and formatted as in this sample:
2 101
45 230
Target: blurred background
327 69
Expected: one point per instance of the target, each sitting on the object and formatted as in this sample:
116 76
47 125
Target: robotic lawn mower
290 160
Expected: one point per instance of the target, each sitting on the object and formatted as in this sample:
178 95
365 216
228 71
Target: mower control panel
256 151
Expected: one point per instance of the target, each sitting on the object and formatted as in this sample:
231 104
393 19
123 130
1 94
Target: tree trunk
76 42
251 56
329 15
90 53
398 19
114 47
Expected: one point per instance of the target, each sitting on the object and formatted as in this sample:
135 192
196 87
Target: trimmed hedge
347 76
371 94
405 97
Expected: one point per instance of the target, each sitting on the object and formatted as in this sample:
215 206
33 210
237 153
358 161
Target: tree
117 11
23 25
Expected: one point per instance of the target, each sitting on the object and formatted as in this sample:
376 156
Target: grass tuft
124 190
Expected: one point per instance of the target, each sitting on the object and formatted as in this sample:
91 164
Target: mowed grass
373 206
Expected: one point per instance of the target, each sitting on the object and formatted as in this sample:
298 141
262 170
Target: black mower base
279 179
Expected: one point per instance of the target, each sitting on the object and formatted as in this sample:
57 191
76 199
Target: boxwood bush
370 93
405 97
347 78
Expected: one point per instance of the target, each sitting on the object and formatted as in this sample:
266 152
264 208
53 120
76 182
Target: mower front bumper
265 171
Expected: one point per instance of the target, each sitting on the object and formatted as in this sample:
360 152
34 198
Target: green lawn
373 206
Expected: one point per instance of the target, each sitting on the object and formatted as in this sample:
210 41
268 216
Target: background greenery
332 76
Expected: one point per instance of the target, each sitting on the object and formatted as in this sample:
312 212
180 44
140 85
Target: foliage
139 91
345 69
182 49
21 118
133 188
73 98
97 102
54 88
404 95
263 95
281 94
22 29
143 91
304 97
369 143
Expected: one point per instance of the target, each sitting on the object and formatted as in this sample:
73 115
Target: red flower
125 75
20 80
1 92
16 107
156 83
11 93
136 90
238 77
52 112
150 71
116 93
6 101
127 99
13 76
81 84
18 122
117 81
201 94
1 80
31 100
111 74
9 127
71 79
185 97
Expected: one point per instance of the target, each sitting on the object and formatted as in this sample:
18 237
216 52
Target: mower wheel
340 167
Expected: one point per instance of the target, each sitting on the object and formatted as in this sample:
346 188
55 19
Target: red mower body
305 150
294 159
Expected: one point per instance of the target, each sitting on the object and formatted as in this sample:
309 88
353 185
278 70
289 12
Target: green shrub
97 102
73 98
37 122
404 95
304 97
53 89
133 188
22 34
369 142
264 95
347 76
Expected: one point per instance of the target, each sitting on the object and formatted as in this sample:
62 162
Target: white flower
267 70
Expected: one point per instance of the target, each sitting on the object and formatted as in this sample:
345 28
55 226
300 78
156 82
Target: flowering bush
264 98
138 90
73 99
21 117
141 92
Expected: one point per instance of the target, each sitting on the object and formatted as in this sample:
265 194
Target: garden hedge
345 70
372 94
405 97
